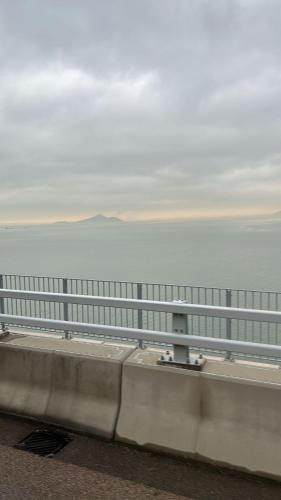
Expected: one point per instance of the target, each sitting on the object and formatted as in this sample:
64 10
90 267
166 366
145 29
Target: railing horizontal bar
183 285
148 335
149 305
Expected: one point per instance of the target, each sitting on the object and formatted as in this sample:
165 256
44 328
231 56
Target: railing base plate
195 364
4 333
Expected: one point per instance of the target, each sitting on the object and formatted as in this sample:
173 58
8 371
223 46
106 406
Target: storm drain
44 442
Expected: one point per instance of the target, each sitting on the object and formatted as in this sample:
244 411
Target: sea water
226 253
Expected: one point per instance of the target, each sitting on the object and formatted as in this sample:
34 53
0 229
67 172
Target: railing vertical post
2 303
180 325
228 323
67 334
140 323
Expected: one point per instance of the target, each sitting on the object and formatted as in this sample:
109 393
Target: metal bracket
67 334
4 331
181 357
194 362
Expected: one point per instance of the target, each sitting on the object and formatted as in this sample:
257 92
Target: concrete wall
240 424
70 383
25 380
159 409
85 393
228 414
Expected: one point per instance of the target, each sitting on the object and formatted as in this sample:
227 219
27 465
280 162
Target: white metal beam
251 348
148 305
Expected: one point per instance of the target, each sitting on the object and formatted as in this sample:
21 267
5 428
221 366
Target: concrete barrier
228 414
74 384
25 379
240 421
85 391
160 406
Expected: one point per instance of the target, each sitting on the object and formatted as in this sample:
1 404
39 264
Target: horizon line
166 217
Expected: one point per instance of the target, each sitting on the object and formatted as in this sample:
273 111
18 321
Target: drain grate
44 442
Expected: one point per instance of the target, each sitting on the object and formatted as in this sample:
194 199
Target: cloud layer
139 108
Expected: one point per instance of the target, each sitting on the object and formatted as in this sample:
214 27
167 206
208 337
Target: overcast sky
142 109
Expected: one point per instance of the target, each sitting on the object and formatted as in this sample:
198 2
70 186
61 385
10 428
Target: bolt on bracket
194 362
181 357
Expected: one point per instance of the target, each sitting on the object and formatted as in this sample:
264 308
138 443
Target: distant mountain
99 218
277 214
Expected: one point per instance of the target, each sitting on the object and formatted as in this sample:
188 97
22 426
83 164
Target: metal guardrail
178 309
148 305
235 329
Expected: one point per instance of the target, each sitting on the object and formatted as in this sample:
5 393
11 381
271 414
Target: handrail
194 341
179 340
149 305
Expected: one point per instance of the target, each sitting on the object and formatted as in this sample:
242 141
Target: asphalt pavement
89 468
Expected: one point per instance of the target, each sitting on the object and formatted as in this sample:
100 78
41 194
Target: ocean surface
244 254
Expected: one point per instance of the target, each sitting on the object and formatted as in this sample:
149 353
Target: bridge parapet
69 383
229 413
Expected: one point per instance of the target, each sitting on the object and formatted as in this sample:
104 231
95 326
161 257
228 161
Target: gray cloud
131 107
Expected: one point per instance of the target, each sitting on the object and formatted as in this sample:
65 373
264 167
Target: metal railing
174 308
236 329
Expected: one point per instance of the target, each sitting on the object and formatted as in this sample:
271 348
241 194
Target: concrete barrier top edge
67 348
218 369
